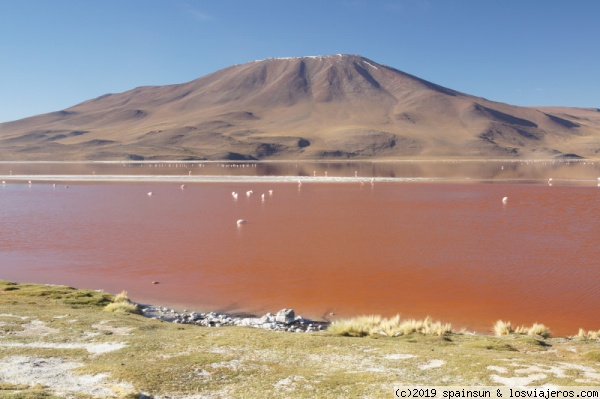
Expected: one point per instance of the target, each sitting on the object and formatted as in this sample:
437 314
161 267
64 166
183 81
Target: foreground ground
56 342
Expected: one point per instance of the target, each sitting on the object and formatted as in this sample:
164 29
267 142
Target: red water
451 251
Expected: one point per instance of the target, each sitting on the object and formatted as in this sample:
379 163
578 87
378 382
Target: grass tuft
122 297
359 326
122 304
392 327
539 329
582 334
505 328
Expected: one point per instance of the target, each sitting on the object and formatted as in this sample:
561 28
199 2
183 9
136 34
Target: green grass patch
23 391
7 386
592 355
490 343
68 295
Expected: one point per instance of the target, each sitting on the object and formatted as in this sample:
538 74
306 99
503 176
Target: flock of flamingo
270 192
234 195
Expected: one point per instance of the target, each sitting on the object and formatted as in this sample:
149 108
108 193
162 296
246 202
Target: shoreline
224 179
254 161
285 320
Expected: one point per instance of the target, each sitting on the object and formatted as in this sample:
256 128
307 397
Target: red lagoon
452 251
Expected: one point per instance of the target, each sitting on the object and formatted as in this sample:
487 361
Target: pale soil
58 374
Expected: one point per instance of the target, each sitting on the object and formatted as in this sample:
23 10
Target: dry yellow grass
588 334
505 328
122 304
359 326
392 327
122 297
539 329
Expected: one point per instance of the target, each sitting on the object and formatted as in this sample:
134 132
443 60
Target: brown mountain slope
341 106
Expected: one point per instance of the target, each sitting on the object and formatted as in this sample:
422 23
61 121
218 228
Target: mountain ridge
318 107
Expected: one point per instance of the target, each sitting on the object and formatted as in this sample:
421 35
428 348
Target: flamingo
234 195
183 186
248 193
270 193
262 197
504 200
149 193
241 222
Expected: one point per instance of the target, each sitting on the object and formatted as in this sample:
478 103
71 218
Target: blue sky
55 54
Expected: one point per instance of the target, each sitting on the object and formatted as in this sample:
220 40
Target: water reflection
561 172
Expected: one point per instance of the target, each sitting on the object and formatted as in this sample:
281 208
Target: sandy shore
211 179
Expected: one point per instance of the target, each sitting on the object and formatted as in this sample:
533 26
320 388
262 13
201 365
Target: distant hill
326 107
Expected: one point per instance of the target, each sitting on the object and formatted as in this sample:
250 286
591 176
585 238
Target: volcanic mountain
326 107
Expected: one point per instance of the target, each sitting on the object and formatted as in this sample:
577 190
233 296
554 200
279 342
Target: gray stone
285 316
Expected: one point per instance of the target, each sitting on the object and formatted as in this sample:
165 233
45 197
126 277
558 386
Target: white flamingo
550 181
241 222
249 193
270 193
149 193
183 186
234 195
504 200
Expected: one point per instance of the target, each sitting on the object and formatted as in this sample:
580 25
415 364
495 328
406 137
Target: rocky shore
285 320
